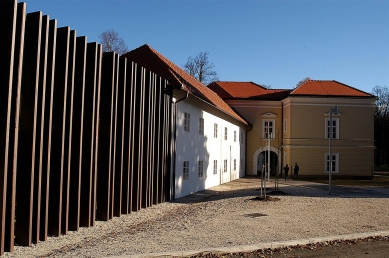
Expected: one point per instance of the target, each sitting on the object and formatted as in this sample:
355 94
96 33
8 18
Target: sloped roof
327 88
246 90
152 60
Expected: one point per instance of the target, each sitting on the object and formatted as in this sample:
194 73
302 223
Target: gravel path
218 217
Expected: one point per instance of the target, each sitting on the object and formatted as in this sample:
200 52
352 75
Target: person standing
296 171
286 169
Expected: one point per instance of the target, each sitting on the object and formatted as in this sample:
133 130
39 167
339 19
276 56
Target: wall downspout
174 141
282 138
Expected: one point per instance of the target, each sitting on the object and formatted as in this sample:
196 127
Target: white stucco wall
192 146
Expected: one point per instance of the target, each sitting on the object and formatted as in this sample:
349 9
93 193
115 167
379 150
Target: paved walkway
336 191
252 248
342 191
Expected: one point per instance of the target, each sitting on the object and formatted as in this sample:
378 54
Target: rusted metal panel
96 134
157 127
131 136
146 140
126 139
8 67
154 144
77 133
67 144
113 135
104 162
40 118
27 130
14 125
138 139
46 143
58 131
88 126
120 115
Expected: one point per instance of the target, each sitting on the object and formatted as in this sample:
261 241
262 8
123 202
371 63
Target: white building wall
193 147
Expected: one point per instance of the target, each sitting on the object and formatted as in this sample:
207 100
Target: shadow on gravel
249 187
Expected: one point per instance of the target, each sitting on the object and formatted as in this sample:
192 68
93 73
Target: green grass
377 181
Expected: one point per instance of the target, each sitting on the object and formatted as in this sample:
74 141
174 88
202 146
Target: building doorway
261 158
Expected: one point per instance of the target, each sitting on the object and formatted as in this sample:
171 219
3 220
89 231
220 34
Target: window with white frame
215 167
234 136
201 163
333 164
268 128
225 166
185 170
225 133
234 164
215 130
186 122
201 126
335 128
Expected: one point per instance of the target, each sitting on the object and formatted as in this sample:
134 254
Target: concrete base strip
251 248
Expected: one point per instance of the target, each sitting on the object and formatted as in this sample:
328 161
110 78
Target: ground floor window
332 164
234 164
185 172
215 167
225 166
201 168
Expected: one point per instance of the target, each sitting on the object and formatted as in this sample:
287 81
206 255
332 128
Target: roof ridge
328 88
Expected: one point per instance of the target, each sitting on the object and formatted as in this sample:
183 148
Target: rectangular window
215 130
186 122
333 164
201 168
335 128
225 133
234 136
201 126
234 164
185 171
268 128
215 167
225 166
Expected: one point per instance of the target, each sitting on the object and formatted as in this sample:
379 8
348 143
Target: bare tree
201 68
381 125
112 42
302 81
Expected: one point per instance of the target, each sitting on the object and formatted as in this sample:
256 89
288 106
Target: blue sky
271 42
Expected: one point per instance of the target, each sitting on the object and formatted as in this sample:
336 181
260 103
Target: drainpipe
281 165
175 139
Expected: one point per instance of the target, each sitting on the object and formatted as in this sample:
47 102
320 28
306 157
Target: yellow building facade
294 127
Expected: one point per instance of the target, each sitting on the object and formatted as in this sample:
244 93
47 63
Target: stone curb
251 248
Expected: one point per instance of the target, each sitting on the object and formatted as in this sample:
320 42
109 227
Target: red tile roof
246 90
152 60
250 90
327 88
